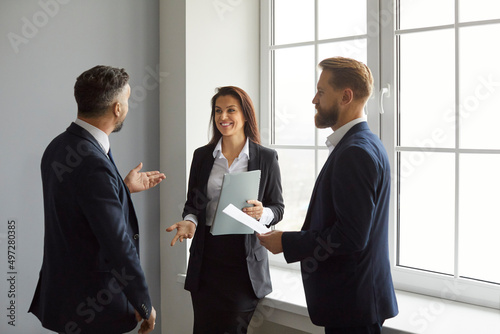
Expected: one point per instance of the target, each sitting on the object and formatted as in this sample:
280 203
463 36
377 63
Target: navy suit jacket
343 245
91 279
270 190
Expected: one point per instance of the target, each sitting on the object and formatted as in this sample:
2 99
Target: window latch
384 92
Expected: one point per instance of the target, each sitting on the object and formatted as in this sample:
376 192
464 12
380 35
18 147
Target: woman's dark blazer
270 195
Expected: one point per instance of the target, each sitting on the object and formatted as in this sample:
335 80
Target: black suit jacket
269 194
343 245
91 278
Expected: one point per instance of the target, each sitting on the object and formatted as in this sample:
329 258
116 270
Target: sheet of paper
245 219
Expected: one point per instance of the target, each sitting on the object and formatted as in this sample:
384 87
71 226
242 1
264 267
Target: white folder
237 189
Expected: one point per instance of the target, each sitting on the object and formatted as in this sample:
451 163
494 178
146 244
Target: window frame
439 285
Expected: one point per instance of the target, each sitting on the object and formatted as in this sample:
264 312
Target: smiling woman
221 277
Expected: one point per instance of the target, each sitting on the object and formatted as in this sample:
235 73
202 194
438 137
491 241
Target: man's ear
347 96
116 109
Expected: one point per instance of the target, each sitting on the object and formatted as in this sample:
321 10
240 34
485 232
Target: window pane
479 87
294 90
475 10
427 89
426 209
340 18
479 220
356 49
293 21
297 178
426 13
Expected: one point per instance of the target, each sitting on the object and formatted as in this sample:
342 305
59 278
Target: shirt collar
218 150
333 139
99 135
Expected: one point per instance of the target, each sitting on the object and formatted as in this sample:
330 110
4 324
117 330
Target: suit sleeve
100 202
272 197
353 183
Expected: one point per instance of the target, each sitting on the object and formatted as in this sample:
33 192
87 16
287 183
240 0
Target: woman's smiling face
229 117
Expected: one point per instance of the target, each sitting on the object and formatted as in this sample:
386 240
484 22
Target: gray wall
44 46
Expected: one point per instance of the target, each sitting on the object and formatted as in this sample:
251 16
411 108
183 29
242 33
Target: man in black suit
343 244
91 279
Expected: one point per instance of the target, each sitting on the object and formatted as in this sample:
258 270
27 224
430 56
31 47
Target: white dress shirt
214 186
99 135
333 139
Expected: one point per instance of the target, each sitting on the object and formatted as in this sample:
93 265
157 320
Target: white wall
53 42
222 50
203 45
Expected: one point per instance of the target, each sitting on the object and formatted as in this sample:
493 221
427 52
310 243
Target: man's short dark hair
97 88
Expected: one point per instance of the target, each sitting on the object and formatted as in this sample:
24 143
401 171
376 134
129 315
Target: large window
437 64
447 145
297 34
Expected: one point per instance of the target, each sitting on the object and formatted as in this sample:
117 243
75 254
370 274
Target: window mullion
374 22
266 73
457 142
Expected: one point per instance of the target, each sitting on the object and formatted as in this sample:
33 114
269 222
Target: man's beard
118 126
326 119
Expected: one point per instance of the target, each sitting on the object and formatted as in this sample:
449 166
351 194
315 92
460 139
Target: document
245 219
237 189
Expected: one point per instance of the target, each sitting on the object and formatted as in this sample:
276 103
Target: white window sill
286 305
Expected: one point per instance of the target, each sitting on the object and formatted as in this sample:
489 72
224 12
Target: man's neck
356 111
101 123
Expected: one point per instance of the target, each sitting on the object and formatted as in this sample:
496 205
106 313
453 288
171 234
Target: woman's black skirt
225 300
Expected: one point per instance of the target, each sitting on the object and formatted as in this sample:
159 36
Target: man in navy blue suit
91 279
343 244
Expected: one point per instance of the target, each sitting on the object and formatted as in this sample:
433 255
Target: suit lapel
307 221
355 129
253 161
206 164
82 133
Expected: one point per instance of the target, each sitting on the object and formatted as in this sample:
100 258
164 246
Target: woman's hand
185 230
254 211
